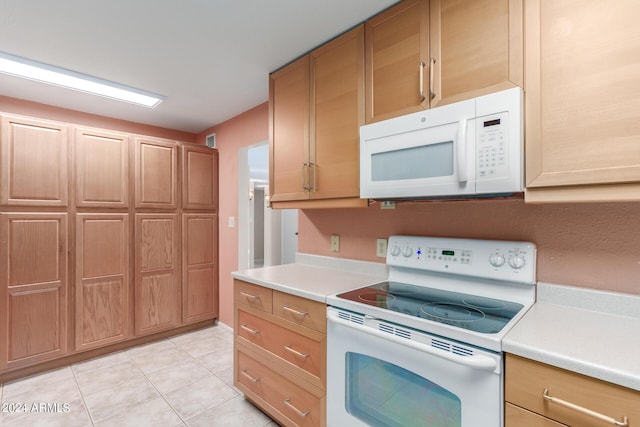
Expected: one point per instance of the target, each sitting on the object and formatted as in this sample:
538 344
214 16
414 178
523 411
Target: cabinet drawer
300 311
295 348
295 403
253 295
514 416
526 381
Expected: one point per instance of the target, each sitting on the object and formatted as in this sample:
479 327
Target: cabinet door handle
312 186
249 377
248 329
296 312
583 410
421 71
301 413
305 174
249 296
297 353
432 66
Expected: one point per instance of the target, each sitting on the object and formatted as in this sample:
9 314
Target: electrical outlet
335 243
381 248
388 205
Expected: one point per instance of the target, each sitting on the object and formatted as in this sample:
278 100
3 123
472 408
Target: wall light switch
335 243
381 248
232 222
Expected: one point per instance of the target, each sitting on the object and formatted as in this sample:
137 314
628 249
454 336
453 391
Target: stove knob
395 250
496 260
516 262
407 251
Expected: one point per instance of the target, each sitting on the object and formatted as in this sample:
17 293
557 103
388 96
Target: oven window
382 394
424 161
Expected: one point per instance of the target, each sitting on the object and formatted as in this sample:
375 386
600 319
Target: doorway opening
265 236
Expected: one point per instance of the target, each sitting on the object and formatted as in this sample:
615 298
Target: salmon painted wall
43 111
586 245
243 130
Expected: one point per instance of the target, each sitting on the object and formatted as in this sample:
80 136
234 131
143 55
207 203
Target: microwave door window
420 162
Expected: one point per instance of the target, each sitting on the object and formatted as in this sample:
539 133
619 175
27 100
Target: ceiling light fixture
38 71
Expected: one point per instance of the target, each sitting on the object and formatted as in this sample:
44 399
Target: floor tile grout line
82 396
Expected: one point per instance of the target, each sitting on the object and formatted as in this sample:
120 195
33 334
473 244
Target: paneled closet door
102 279
102 168
157 282
199 267
33 288
34 161
199 177
156 173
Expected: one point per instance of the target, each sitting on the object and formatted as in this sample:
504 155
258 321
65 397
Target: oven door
379 374
425 154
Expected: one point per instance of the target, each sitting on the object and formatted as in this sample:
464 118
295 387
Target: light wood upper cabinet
582 100
337 112
102 168
316 109
199 177
34 159
156 173
102 280
476 47
157 281
199 267
33 288
289 131
397 61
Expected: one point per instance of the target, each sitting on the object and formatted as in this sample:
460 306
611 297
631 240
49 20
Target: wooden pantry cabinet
526 381
582 101
105 237
280 353
425 53
316 109
34 291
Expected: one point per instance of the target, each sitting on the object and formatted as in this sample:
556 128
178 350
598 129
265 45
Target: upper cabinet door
337 112
34 157
582 100
156 173
102 168
476 47
289 132
199 177
397 61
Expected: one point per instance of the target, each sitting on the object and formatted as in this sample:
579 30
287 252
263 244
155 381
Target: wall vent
211 140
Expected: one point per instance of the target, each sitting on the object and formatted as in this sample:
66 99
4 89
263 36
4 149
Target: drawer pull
297 353
302 414
249 296
249 377
296 312
248 329
597 415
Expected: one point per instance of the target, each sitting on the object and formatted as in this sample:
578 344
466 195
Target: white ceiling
210 58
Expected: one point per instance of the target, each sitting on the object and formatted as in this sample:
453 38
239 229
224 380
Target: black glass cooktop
475 313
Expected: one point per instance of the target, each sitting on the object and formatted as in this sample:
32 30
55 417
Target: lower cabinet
33 288
539 395
157 281
102 280
280 354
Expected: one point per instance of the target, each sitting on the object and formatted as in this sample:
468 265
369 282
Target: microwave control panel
492 156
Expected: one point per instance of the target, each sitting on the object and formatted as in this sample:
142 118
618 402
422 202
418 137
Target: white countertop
316 277
591 332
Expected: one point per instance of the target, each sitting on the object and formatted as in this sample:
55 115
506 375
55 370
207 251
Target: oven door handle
477 361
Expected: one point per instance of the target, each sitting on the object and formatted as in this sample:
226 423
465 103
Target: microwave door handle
462 151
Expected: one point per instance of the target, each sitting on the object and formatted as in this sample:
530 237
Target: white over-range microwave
472 148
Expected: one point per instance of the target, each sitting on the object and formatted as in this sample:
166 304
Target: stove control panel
491 259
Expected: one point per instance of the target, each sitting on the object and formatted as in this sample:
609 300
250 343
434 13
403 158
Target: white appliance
424 348
466 149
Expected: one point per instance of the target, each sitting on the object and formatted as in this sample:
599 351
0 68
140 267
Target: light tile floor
185 380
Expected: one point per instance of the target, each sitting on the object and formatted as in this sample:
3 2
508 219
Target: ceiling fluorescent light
33 70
